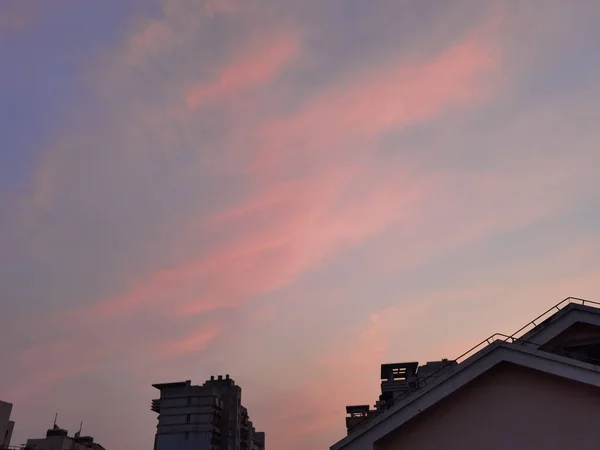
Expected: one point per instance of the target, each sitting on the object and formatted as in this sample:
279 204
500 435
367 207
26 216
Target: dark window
189 418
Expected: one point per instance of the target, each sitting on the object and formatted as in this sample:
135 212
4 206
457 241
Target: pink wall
509 408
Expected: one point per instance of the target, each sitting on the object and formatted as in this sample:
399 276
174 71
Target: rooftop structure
509 391
58 439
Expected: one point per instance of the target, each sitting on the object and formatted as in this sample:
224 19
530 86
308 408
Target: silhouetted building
258 440
398 380
6 425
59 439
207 417
538 388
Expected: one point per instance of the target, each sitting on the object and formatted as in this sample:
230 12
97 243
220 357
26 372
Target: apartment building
206 417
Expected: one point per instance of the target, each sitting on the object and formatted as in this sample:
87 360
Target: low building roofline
177 384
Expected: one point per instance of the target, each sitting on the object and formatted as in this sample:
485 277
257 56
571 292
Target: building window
189 418
187 435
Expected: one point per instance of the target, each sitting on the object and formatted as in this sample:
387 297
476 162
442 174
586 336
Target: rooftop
177 384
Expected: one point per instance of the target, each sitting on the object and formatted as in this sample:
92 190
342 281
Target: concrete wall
181 441
508 408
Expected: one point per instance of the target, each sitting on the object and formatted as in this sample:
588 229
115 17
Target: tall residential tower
207 417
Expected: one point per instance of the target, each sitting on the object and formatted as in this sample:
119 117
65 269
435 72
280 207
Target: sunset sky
289 192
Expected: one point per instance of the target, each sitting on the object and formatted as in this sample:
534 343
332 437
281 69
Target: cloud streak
289 227
253 67
388 98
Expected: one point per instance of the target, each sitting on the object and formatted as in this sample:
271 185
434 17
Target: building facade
6 425
207 417
538 388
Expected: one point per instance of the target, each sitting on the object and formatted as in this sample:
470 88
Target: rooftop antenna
54 427
78 434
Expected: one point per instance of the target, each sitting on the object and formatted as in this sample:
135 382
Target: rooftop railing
517 336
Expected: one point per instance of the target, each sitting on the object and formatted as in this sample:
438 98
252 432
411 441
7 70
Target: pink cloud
89 346
193 342
392 97
253 67
222 6
306 221
44 364
288 228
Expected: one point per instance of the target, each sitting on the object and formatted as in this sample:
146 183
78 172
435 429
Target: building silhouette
59 439
538 388
207 417
6 425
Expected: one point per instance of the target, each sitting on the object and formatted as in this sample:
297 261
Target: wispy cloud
253 67
192 343
384 98
288 227
222 6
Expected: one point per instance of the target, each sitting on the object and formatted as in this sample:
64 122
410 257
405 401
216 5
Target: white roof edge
462 374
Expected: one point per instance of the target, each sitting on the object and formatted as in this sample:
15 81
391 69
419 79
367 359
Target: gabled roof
522 352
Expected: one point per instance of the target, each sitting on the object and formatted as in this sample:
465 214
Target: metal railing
560 305
515 337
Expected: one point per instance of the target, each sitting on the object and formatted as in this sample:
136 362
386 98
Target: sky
289 192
